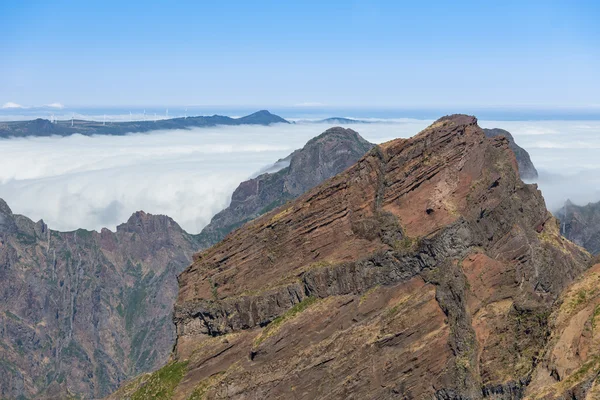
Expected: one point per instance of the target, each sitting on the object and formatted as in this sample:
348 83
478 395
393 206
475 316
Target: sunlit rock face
426 270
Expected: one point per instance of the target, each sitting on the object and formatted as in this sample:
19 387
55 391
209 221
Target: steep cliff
526 168
321 158
581 224
82 311
570 368
426 270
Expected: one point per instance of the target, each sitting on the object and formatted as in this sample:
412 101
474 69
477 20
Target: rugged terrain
43 127
426 270
581 224
82 311
322 157
526 168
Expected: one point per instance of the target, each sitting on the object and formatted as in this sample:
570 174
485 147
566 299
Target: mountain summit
321 158
426 270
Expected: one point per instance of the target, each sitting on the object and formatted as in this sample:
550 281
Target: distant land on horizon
45 127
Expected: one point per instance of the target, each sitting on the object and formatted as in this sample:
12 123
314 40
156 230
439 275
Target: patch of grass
583 371
203 387
280 215
367 294
274 326
406 245
12 316
162 383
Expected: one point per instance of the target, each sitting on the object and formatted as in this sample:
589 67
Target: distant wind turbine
167 113
154 117
144 114
72 119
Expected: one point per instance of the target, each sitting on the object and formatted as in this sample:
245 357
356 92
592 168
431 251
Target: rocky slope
581 224
526 168
570 368
43 127
82 311
426 270
321 158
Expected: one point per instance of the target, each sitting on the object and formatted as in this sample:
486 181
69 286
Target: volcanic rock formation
426 270
82 311
322 157
526 168
581 224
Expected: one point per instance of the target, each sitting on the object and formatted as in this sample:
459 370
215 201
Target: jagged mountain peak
429 257
4 208
142 222
321 158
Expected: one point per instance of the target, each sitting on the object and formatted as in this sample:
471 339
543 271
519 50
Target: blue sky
278 53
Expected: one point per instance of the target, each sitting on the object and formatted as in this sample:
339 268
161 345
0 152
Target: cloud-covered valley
94 182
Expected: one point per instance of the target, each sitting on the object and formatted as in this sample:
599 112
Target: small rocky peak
143 223
4 208
457 119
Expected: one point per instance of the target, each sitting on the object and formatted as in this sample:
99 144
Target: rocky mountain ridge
526 168
426 270
82 311
44 127
321 158
581 225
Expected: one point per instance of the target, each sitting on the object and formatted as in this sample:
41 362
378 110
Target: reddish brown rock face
426 270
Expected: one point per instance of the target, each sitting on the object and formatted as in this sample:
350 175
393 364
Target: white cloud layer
94 182
566 155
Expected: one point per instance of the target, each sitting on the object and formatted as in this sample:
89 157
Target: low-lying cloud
94 182
566 154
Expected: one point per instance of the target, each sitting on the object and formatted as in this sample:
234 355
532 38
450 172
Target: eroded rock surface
322 157
581 224
526 168
426 270
82 311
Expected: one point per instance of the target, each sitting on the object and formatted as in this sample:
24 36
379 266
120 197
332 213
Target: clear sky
286 53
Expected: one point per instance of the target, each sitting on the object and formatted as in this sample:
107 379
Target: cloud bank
566 154
94 182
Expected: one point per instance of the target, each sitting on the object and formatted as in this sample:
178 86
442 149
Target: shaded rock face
526 168
82 311
322 157
570 365
581 225
426 270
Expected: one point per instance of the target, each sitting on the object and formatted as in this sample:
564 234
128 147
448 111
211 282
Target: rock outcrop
82 311
426 270
322 157
571 365
581 225
526 168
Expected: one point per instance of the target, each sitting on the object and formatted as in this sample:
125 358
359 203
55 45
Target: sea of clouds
94 182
